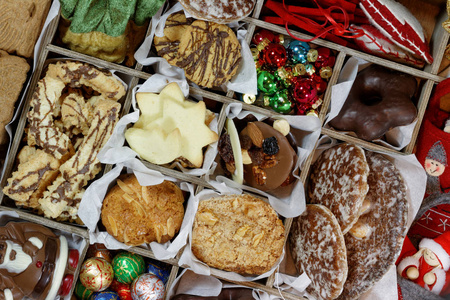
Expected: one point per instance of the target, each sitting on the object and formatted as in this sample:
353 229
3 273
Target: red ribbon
330 29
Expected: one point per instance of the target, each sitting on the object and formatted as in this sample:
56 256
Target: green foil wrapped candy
127 266
82 292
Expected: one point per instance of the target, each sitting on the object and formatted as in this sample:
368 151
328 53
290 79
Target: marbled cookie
167 45
375 241
237 233
339 181
209 53
318 249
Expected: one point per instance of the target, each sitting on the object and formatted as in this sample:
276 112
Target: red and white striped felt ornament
398 24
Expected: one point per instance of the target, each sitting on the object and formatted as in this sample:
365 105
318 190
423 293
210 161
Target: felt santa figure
33 262
435 164
428 267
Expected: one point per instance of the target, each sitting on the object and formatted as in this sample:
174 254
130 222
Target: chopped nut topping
246 160
241 232
257 238
269 162
170 227
128 198
113 224
124 187
208 218
259 175
255 135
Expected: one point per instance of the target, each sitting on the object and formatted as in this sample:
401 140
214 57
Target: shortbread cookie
209 53
237 233
86 115
219 11
76 114
36 170
135 214
76 74
375 241
21 22
167 45
318 249
13 73
84 164
339 181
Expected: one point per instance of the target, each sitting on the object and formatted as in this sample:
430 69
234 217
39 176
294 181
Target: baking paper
115 150
91 204
288 201
396 138
191 283
243 82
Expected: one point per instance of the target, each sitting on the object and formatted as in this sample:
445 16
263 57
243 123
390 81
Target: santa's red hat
440 246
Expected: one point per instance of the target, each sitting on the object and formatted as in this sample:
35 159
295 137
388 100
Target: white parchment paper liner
191 283
115 150
415 179
244 81
52 13
397 138
288 201
188 259
74 241
91 204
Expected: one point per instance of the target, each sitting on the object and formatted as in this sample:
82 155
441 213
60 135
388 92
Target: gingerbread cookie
167 45
219 11
375 241
20 24
318 248
339 181
135 214
13 73
209 53
237 233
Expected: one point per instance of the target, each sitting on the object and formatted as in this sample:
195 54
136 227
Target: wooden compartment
431 18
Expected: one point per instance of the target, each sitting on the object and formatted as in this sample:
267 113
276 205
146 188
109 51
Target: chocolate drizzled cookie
167 45
209 53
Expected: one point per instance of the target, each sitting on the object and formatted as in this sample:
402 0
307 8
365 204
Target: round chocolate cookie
218 11
275 168
318 249
167 45
339 181
209 53
375 241
379 100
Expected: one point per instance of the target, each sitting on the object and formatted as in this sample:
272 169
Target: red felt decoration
398 24
374 42
330 29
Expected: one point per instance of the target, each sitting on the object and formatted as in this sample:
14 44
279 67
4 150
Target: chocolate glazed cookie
209 53
380 99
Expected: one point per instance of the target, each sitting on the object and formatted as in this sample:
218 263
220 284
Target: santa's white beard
20 262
